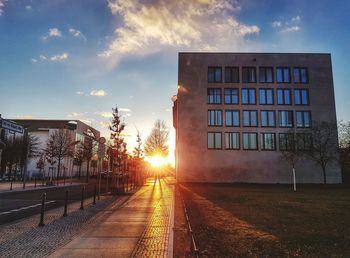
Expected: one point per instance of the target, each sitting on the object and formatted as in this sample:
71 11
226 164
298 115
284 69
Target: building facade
234 114
42 129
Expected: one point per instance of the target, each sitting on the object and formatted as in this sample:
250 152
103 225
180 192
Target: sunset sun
157 161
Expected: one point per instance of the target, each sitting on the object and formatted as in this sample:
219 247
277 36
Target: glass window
283 97
232 141
214 74
285 118
303 119
248 96
232 117
214 96
250 118
268 141
301 97
248 74
304 141
215 117
283 74
267 118
250 141
231 74
231 96
265 74
214 140
266 96
286 141
300 75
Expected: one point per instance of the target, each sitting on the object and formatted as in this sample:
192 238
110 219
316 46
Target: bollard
11 184
82 198
65 205
34 182
41 223
94 202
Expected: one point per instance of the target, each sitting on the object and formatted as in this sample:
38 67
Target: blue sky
66 59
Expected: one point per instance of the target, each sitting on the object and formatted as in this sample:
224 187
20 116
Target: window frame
279 118
299 68
248 91
208 89
283 77
214 141
298 135
214 67
249 69
265 68
262 144
231 68
273 96
239 117
256 140
231 96
250 118
300 96
303 118
239 140
292 140
215 117
274 119
284 97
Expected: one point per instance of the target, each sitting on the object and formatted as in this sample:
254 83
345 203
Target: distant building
44 128
234 112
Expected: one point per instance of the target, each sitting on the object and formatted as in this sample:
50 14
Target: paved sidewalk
139 228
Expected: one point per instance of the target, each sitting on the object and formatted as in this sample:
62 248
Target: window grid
304 141
250 141
232 74
266 96
285 118
266 74
301 97
300 75
286 141
283 74
268 141
214 96
249 74
214 74
214 140
215 117
232 118
250 118
303 119
267 118
248 96
231 96
232 141
284 97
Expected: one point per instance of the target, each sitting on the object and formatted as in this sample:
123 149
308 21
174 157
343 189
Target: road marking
24 208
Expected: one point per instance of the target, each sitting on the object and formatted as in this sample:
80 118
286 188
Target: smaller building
42 130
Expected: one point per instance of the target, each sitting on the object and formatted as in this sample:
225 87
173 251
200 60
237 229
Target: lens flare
157 161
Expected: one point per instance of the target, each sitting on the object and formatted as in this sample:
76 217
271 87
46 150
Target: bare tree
325 146
79 157
157 142
344 149
138 152
59 146
88 147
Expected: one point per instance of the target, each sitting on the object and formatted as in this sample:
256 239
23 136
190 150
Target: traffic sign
11 126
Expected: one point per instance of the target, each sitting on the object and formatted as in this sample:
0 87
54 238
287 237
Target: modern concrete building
235 112
42 129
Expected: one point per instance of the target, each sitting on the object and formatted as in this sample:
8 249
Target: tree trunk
58 170
324 175
87 171
80 170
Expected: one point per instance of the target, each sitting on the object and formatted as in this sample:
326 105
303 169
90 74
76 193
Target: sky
64 59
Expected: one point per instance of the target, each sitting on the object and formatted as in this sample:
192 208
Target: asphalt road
21 204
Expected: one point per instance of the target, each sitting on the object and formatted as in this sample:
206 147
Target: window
300 75
232 141
283 97
303 119
250 118
250 141
301 97
265 74
286 141
283 74
304 141
266 96
214 74
248 74
231 96
267 118
215 117
214 96
232 117
214 141
248 97
268 141
286 118
231 74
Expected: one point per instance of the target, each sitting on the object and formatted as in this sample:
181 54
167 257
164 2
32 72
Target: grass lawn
238 220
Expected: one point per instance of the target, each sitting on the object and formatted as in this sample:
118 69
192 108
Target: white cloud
80 93
28 7
2 5
34 60
76 33
74 114
276 24
104 114
127 110
98 93
296 19
207 25
42 57
52 33
291 29
104 124
61 57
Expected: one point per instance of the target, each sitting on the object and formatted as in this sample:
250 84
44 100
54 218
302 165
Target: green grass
312 222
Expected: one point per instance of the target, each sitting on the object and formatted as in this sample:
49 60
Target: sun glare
157 161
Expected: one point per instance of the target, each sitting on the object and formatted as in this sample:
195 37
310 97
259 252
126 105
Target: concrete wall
195 163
